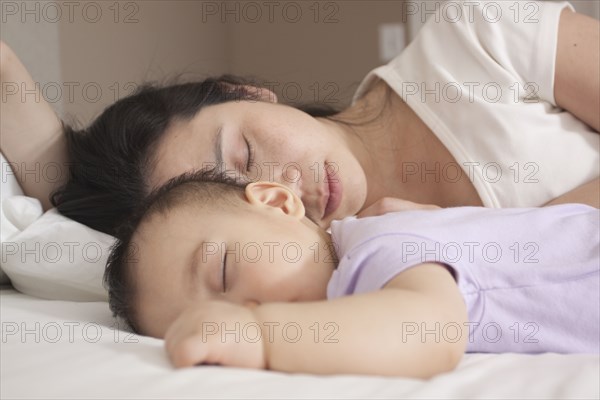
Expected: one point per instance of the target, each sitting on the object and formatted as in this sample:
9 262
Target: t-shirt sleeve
521 36
370 266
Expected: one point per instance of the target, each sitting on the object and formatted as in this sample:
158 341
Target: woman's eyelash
250 154
223 273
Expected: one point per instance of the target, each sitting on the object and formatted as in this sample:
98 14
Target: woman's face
260 140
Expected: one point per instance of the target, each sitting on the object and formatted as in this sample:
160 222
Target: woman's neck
400 155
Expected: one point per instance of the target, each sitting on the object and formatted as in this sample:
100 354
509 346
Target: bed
67 349
59 339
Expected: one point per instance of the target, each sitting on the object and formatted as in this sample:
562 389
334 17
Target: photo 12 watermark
488 332
290 172
66 91
486 171
469 252
52 12
57 172
291 12
269 331
454 12
92 92
452 92
53 252
64 332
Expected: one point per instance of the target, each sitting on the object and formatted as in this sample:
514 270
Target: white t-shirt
480 74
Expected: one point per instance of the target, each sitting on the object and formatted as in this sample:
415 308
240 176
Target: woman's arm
406 329
32 137
577 76
577 86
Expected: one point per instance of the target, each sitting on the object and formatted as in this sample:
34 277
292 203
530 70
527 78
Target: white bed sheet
62 349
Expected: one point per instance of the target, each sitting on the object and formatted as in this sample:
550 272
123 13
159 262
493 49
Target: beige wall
323 56
151 40
588 7
87 54
96 53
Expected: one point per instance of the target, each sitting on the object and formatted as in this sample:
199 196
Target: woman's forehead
178 153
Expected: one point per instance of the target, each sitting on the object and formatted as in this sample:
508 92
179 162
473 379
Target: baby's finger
188 352
177 330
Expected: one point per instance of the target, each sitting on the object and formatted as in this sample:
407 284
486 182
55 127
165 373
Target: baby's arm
372 333
32 136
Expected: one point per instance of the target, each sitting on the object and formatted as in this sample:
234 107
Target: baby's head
202 236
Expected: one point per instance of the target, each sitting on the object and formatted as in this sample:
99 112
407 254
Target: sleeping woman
477 111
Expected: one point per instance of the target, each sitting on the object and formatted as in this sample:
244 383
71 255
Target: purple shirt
530 277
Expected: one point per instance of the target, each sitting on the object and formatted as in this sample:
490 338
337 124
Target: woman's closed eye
224 273
250 157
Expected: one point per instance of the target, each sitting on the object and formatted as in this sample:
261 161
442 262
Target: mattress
74 350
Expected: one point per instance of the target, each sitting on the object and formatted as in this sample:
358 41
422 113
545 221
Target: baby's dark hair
208 187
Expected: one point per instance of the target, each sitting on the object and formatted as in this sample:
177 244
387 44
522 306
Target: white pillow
48 255
10 187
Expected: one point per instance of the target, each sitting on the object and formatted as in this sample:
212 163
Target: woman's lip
334 196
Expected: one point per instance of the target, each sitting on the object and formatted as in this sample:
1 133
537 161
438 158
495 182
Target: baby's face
253 253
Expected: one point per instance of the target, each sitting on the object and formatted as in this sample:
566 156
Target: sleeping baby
237 275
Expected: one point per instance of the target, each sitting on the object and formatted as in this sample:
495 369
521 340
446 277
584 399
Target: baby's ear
277 196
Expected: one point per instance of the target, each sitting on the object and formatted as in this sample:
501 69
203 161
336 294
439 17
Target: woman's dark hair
111 159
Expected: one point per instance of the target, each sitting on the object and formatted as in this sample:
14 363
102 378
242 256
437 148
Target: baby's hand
390 204
216 332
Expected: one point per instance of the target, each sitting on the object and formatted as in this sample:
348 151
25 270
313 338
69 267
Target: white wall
35 39
96 52
95 44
